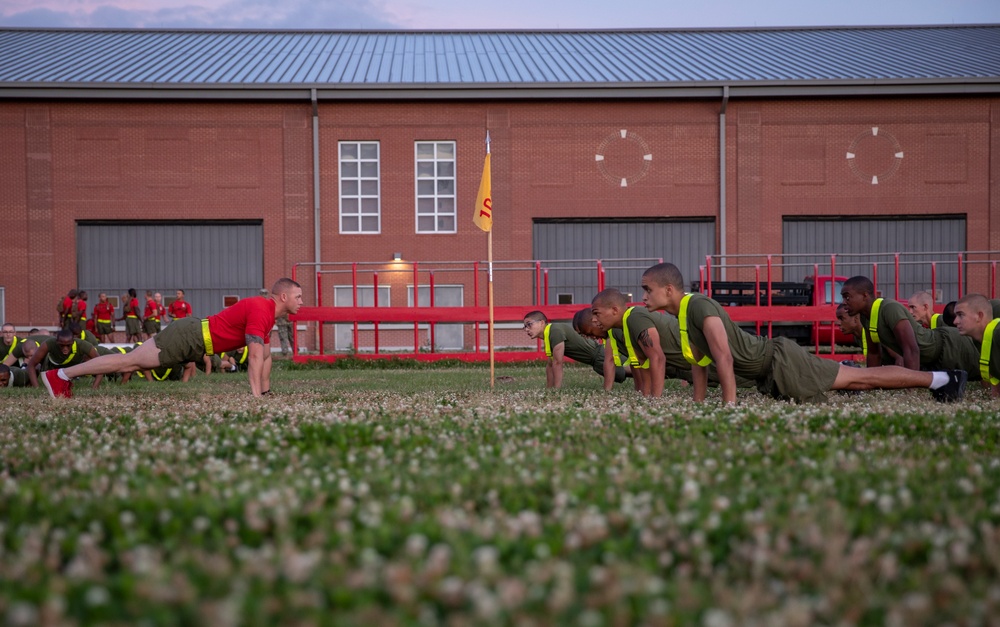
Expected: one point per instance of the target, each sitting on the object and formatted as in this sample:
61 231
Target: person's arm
208 364
36 358
9 360
554 367
908 342
995 391
699 377
874 359
97 377
609 367
718 344
649 342
255 367
189 370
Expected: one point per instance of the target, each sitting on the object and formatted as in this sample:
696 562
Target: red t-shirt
82 306
104 311
133 308
250 316
152 310
67 305
179 309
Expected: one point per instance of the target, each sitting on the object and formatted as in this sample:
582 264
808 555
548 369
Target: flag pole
489 298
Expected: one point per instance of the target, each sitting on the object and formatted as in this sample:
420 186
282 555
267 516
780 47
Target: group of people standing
691 337
141 322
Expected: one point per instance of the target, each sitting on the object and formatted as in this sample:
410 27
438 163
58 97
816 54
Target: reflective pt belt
548 344
103 321
984 353
935 321
682 319
633 358
614 348
209 349
873 321
72 354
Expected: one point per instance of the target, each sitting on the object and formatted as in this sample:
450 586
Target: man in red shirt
81 309
67 309
151 316
104 317
130 313
248 322
180 308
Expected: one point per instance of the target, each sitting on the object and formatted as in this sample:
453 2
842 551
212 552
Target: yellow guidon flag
484 202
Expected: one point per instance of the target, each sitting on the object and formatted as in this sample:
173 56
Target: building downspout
722 182
316 203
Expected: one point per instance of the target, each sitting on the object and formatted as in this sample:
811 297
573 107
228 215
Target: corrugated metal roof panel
301 58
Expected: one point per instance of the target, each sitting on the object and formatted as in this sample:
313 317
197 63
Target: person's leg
143 357
883 377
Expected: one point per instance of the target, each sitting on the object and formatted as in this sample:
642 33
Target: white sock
940 379
62 374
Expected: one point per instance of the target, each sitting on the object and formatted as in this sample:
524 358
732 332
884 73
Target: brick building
158 159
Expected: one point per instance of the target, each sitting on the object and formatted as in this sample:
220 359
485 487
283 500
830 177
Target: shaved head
610 297
860 284
977 303
922 298
665 274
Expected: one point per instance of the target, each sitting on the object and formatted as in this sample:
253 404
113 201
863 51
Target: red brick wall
67 161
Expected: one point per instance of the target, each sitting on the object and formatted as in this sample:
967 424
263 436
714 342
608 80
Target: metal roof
948 58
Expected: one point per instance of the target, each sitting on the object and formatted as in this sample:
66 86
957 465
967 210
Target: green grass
382 496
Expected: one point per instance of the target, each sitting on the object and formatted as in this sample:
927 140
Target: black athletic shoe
952 391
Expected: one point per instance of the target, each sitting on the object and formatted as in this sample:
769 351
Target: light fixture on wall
397 256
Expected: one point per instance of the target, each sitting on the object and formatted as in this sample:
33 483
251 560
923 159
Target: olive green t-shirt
168 373
18 378
666 327
994 355
889 315
618 335
576 347
55 360
5 348
995 303
750 352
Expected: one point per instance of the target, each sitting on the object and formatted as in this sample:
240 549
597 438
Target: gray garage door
628 246
860 243
210 261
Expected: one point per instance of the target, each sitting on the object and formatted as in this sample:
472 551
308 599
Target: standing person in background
67 308
130 313
104 317
80 316
180 308
150 316
161 311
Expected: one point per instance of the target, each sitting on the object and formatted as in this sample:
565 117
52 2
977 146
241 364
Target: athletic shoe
56 385
953 390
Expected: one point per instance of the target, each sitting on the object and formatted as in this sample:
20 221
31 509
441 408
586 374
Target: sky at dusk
472 14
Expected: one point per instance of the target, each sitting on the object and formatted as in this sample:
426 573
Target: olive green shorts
104 328
182 341
133 326
797 375
150 327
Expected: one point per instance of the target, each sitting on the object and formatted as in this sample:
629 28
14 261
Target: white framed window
360 205
343 296
435 186
446 336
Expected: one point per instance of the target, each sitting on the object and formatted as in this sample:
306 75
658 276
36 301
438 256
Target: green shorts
133 326
958 352
18 378
150 327
182 341
104 328
797 375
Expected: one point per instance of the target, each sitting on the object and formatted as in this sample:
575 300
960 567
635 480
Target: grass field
416 496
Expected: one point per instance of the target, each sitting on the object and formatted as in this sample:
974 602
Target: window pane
350 188
446 223
369 151
348 151
369 188
446 150
425 188
349 169
425 170
425 223
446 169
446 205
425 150
349 224
349 205
369 205
369 224
446 187
369 169
425 205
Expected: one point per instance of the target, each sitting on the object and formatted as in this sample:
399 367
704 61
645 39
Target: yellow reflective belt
864 343
873 321
13 343
614 348
209 349
165 374
935 321
245 354
548 345
633 358
72 354
682 319
984 353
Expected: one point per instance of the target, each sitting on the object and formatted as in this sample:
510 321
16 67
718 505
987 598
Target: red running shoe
56 385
